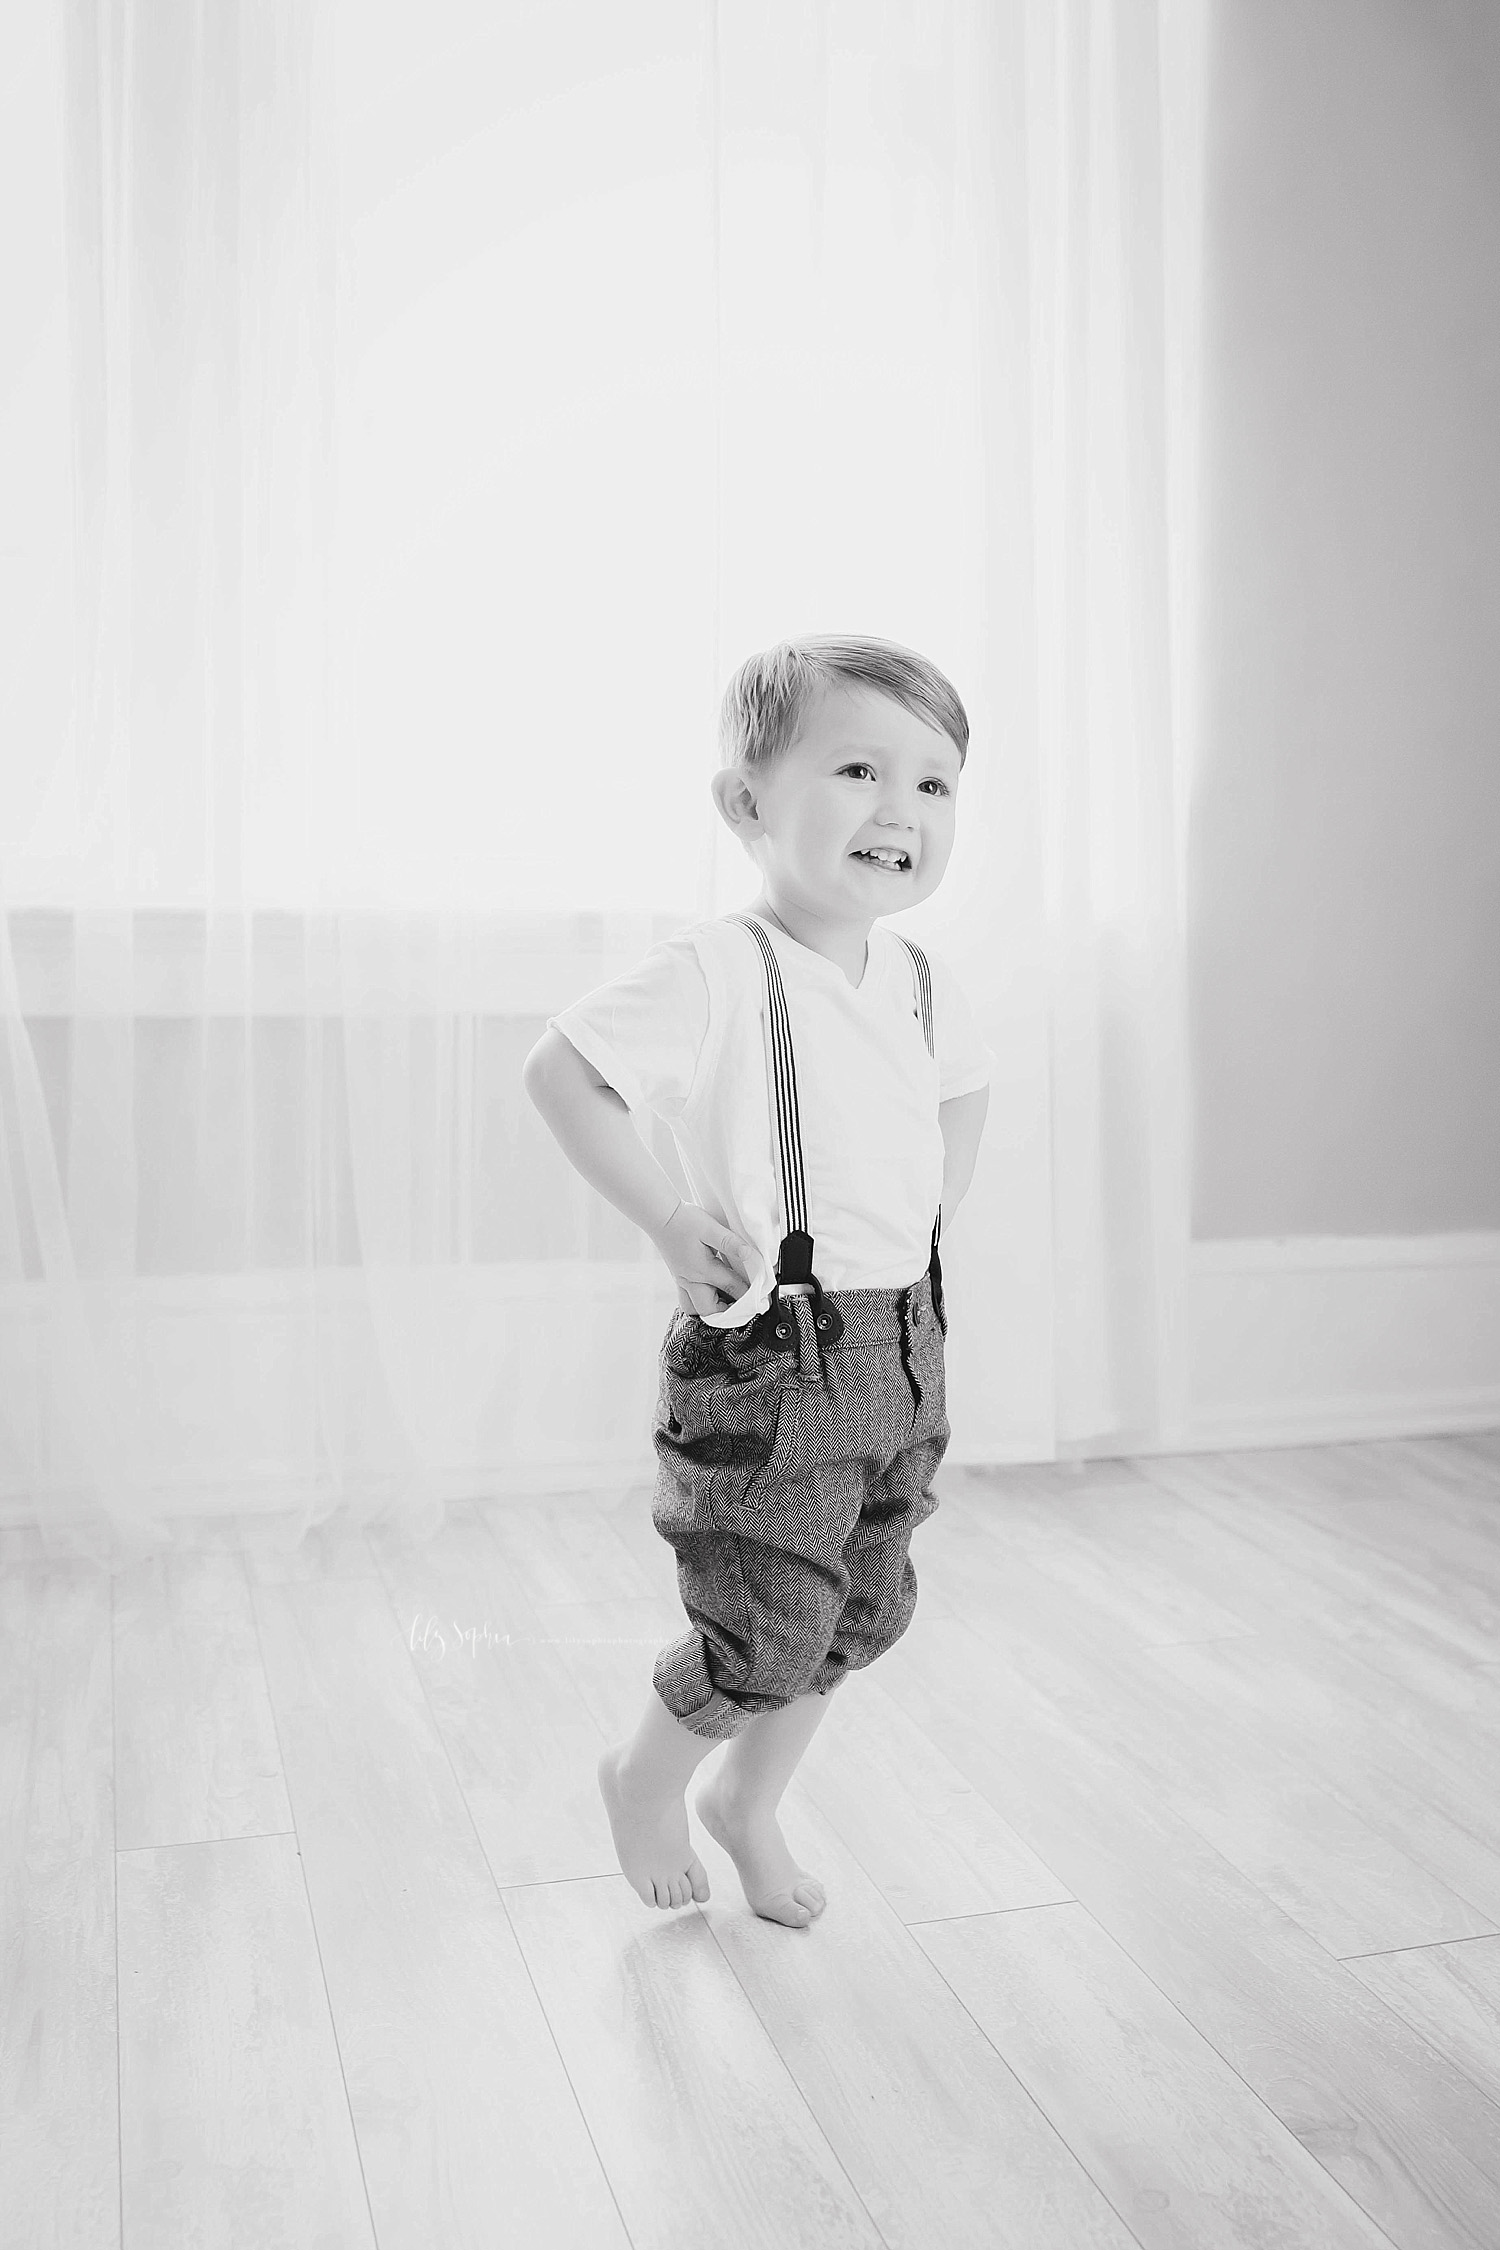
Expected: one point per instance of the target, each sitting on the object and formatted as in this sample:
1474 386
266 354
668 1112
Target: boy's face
863 772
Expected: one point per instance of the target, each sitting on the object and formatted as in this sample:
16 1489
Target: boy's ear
735 799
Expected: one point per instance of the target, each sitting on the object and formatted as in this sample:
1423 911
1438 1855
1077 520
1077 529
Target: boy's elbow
531 1067
539 1070
555 1067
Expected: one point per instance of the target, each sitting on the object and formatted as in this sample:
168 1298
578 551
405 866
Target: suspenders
794 1267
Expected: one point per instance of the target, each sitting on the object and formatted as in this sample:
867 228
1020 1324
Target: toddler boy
826 1088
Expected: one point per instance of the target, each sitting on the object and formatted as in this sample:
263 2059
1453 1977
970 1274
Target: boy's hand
704 1257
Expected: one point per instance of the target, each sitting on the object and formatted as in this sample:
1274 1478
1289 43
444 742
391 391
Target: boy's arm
591 1125
962 1119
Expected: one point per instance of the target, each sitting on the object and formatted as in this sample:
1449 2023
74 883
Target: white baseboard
1309 1340
1292 1342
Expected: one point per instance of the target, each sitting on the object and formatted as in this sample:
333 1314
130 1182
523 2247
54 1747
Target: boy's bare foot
651 1837
771 1879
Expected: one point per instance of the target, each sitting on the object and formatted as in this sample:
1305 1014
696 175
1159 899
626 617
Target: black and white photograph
750 1125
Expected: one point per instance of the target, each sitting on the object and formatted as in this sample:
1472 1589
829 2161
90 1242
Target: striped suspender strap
924 997
795 1263
784 1076
794 1260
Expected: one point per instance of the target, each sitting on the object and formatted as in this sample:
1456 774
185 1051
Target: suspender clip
795 1278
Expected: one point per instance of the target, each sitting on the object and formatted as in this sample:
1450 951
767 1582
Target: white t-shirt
684 1035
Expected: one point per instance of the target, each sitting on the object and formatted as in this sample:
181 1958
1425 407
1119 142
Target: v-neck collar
866 981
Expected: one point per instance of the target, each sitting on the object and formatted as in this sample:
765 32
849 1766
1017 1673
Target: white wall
1345 852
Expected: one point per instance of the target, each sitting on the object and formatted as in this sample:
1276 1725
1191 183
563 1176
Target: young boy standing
826 1088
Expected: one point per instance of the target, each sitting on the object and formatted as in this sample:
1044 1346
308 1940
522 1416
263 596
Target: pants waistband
870 1316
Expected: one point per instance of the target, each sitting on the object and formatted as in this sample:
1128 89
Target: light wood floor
1162 1857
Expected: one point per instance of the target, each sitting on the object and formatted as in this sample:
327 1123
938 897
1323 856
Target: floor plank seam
114 1873
1429 1945
1196 2029
199 1843
499 1890
312 1919
986 1913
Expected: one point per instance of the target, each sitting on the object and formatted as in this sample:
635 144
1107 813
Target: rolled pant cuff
681 1679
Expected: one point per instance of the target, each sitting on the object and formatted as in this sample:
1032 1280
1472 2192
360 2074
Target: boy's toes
785 1907
699 1874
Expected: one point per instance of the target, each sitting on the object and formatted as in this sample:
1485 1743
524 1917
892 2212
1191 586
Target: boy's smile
864 776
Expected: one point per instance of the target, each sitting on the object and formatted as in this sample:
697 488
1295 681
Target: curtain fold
437 410
1115 106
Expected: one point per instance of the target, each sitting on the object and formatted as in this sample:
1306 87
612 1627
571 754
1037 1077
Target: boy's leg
642 1783
737 1806
738 1803
761 1761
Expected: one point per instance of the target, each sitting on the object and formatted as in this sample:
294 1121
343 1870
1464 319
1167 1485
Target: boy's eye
858 765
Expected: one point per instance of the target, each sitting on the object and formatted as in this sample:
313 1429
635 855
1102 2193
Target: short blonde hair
766 701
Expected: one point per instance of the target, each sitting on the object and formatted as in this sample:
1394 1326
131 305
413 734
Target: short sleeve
965 1062
645 1032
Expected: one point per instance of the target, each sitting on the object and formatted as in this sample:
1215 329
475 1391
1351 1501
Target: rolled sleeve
644 1031
605 1057
970 1082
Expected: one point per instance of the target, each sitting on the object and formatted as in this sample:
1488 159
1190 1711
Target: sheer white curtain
411 418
